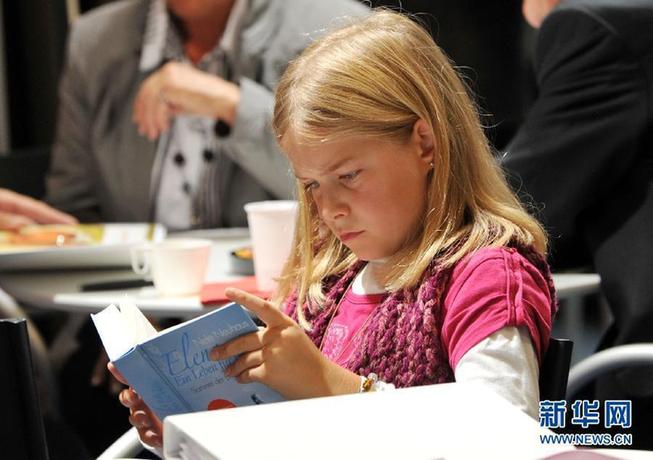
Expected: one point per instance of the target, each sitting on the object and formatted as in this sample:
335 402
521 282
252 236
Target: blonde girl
414 263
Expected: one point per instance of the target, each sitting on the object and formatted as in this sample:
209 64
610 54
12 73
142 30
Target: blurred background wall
33 34
33 40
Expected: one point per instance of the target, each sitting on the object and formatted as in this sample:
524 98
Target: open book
171 369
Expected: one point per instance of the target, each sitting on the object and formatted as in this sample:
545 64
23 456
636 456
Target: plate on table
74 246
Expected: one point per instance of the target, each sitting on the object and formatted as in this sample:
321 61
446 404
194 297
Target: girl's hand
149 427
101 377
282 356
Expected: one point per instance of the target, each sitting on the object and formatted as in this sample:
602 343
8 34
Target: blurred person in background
165 107
584 157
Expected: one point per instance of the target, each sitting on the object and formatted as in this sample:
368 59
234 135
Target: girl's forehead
331 146
321 157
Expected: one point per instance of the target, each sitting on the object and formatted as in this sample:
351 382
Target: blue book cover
171 369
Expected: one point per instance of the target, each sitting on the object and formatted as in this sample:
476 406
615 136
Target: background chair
22 433
602 362
554 371
44 375
24 427
127 445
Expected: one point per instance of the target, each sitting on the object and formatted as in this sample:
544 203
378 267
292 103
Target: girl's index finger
116 373
266 312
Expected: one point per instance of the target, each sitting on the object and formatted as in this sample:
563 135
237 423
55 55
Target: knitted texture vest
401 342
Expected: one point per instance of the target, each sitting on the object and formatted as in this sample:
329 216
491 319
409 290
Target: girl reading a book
413 262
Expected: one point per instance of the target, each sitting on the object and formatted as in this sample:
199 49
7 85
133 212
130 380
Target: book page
137 324
121 330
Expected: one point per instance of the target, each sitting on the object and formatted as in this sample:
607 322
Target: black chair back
554 371
22 435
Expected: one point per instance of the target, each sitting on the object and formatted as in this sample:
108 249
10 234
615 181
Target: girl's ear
422 137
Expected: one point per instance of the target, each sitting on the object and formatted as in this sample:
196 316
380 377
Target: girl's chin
367 254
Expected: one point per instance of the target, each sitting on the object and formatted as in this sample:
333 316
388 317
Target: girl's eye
310 186
350 176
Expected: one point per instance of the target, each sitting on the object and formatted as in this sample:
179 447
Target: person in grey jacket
164 108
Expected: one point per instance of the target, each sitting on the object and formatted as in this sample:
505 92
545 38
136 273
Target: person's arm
497 323
246 108
253 145
505 362
179 88
70 181
18 210
580 136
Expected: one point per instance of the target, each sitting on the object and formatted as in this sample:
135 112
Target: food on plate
45 235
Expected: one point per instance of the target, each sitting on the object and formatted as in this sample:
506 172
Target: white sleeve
506 363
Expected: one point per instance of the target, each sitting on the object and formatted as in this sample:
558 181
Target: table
60 290
567 286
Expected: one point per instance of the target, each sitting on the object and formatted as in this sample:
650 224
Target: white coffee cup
177 265
272 227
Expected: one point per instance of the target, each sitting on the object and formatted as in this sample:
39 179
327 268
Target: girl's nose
332 206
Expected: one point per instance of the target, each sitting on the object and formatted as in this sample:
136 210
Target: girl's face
370 193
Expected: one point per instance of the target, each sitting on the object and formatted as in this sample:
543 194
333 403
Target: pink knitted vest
401 342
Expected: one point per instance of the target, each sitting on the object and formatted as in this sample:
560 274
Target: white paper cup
177 265
272 226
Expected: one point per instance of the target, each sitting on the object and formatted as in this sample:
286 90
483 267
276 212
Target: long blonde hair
377 77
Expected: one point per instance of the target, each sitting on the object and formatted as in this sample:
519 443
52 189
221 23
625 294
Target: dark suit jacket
585 153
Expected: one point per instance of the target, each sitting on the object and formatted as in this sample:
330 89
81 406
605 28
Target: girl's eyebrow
329 169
